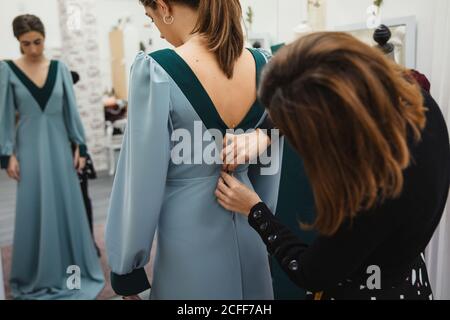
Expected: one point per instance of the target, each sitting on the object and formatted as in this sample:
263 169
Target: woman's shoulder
167 53
3 65
154 55
147 66
4 69
435 118
60 64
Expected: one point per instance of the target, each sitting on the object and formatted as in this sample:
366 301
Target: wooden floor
99 191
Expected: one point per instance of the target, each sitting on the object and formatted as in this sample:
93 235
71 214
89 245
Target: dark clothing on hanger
421 80
391 236
87 174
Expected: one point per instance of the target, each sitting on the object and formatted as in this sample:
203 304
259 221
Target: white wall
108 13
345 12
276 17
47 10
279 17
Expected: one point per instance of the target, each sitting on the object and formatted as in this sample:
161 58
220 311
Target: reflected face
32 44
167 31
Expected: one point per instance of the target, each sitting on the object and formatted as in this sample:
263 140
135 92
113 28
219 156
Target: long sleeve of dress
7 116
72 118
140 181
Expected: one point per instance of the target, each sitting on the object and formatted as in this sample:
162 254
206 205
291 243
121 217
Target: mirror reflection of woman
51 229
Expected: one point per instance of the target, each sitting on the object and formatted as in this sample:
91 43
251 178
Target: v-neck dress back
51 228
203 251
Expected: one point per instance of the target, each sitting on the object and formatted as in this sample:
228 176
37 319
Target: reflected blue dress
51 229
203 251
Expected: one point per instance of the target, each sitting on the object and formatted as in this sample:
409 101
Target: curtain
438 252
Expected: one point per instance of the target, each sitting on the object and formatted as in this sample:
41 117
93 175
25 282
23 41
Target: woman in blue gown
202 88
52 242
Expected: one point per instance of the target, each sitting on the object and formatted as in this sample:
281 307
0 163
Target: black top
391 236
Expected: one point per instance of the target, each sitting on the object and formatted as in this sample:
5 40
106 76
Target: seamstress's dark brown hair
347 110
220 23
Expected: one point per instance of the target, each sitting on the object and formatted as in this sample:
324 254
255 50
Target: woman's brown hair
27 23
348 111
220 23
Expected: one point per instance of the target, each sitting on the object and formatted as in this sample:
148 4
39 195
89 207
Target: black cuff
4 162
259 219
266 225
258 213
130 284
83 151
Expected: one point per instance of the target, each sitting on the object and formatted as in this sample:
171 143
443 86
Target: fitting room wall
47 10
345 12
276 17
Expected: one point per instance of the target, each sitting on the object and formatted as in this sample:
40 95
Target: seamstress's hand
234 196
78 162
241 149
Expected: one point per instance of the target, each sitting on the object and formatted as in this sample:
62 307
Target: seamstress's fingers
230 181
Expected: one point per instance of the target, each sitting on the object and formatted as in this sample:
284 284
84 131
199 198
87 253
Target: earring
168 19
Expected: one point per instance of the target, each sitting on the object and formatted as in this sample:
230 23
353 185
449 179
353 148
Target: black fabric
416 286
391 236
83 151
267 124
4 161
84 185
87 201
75 77
295 203
130 284
87 173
